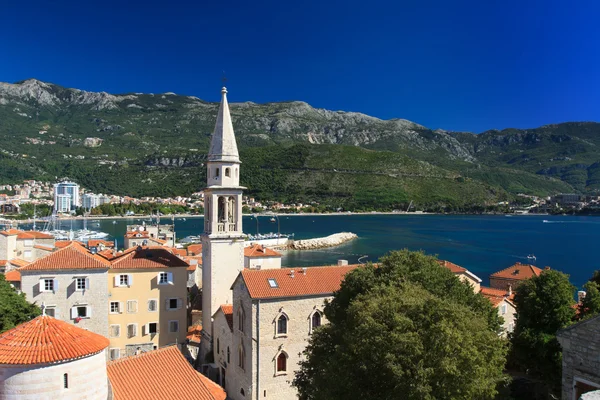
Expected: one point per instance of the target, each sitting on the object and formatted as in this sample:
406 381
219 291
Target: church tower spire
223 146
223 237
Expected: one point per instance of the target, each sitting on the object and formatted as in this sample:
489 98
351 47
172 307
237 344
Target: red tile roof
48 340
194 249
17 262
134 234
194 333
74 256
316 281
98 242
45 248
451 266
160 374
3 263
259 251
179 252
10 232
13 276
518 272
108 254
496 296
227 310
26 234
147 257
64 243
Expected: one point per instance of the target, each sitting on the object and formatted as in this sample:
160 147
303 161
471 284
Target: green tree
14 309
545 305
407 329
590 305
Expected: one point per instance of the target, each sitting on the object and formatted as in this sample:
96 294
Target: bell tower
223 238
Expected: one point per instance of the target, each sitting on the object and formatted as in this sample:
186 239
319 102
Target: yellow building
147 301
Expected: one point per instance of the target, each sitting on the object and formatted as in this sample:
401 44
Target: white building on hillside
66 188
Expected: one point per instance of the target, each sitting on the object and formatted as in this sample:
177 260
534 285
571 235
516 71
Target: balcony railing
231 227
220 227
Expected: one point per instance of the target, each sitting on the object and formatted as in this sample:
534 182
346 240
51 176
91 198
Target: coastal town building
257 256
463 274
66 197
580 358
149 235
147 301
503 302
72 285
46 358
510 278
25 245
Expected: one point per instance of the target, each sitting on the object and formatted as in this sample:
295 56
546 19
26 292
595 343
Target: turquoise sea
482 244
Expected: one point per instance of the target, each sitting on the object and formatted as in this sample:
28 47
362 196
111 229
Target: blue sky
456 65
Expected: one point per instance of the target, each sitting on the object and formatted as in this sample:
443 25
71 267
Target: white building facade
66 188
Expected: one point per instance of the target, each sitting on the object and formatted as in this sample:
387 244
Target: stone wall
581 356
66 296
86 380
329 241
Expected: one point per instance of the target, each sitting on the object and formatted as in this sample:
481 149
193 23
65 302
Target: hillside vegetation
155 145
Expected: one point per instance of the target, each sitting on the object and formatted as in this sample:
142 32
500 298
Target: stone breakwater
318 243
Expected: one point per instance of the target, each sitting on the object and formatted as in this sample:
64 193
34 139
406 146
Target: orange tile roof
74 256
134 234
157 240
456 269
179 252
518 272
227 310
17 262
160 374
108 254
3 263
147 257
190 260
10 232
13 276
317 281
64 243
33 235
194 333
46 248
98 242
48 340
496 296
194 249
257 250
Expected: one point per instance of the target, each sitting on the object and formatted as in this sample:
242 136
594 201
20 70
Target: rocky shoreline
318 243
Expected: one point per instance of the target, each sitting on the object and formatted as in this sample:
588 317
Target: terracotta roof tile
17 262
147 257
33 235
160 374
456 269
258 251
48 340
13 276
194 249
194 333
518 272
137 234
46 248
74 256
179 252
108 254
227 310
64 243
98 242
157 240
3 263
316 281
496 296
10 232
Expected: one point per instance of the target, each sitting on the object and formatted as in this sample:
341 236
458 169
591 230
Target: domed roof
48 340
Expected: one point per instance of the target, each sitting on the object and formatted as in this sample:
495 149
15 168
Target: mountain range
155 145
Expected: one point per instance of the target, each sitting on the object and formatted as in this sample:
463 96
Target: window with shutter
115 307
131 330
172 304
80 284
153 328
152 305
47 285
115 330
114 354
131 306
173 326
163 278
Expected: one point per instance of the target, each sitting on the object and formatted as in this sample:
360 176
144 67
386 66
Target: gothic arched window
281 362
282 324
241 320
316 320
218 349
241 357
228 355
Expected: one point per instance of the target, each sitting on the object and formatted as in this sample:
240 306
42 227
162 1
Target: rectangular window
152 328
82 311
27 254
28 242
51 311
172 304
114 354
48 285
115 307
152 305
80 283
273 283
131 330
131 306
163 278
503 309
173 326
114 331
123 280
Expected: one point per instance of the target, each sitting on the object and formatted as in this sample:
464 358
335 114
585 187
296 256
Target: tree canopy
409 327
14 309
545 305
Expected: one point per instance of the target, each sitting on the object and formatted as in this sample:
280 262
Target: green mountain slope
155 144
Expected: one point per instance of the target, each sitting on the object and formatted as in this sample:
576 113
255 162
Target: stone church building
255 321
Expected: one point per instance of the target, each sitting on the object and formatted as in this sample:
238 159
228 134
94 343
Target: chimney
510 290
341 263
292 273
304 270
